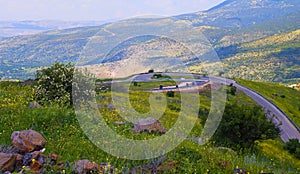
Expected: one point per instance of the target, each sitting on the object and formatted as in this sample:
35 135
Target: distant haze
97 10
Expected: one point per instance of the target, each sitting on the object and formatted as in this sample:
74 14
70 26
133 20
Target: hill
227 26
275 58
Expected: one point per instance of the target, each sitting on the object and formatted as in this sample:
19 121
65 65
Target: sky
98 10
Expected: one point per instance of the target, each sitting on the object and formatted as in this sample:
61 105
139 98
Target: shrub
232 90
170 93
293 146
242 125
54 84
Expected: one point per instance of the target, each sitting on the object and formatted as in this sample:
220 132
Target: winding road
288 130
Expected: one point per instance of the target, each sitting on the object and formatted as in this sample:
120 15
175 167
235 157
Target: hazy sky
97 9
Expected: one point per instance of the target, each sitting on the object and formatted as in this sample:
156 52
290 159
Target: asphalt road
288 130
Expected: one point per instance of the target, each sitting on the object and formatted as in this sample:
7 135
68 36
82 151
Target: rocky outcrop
25 153
34 104
28 141
87 166
148 125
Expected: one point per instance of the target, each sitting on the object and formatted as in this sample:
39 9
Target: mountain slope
227 26
275 58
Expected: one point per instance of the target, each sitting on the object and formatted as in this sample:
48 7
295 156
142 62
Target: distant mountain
17 28
229 27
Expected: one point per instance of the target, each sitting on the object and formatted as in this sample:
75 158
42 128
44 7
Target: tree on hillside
242 125
54 84
293 146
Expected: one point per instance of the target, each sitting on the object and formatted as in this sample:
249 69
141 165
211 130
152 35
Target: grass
65 137
287 99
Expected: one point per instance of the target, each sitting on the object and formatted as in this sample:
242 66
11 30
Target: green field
287 99
64 136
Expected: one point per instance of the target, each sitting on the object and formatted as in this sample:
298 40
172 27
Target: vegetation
54 84
287 99
64 136
256 43
293 146
160 76
242 125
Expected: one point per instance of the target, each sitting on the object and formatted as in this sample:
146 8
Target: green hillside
58 124
275 58
286 98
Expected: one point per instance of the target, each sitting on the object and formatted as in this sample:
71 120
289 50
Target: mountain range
256 39
17 28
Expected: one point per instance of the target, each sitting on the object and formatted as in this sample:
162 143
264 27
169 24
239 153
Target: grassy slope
287 99
65 137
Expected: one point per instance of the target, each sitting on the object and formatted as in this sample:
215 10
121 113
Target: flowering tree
54 84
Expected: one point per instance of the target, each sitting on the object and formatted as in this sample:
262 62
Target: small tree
54 84
293 146
170 93
242 125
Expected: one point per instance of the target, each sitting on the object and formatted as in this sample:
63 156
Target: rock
27 141
8 149
106 168
34 104
85 167
29 159
149 125
7 162
54 158
35 165
38 156
19 161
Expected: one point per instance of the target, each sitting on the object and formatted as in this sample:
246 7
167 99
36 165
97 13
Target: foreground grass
285 98
65 137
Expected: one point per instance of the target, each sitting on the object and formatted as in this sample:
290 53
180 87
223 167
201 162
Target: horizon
94 10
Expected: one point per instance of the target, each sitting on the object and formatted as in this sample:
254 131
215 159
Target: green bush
54 84
293 146
242 125
170 93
